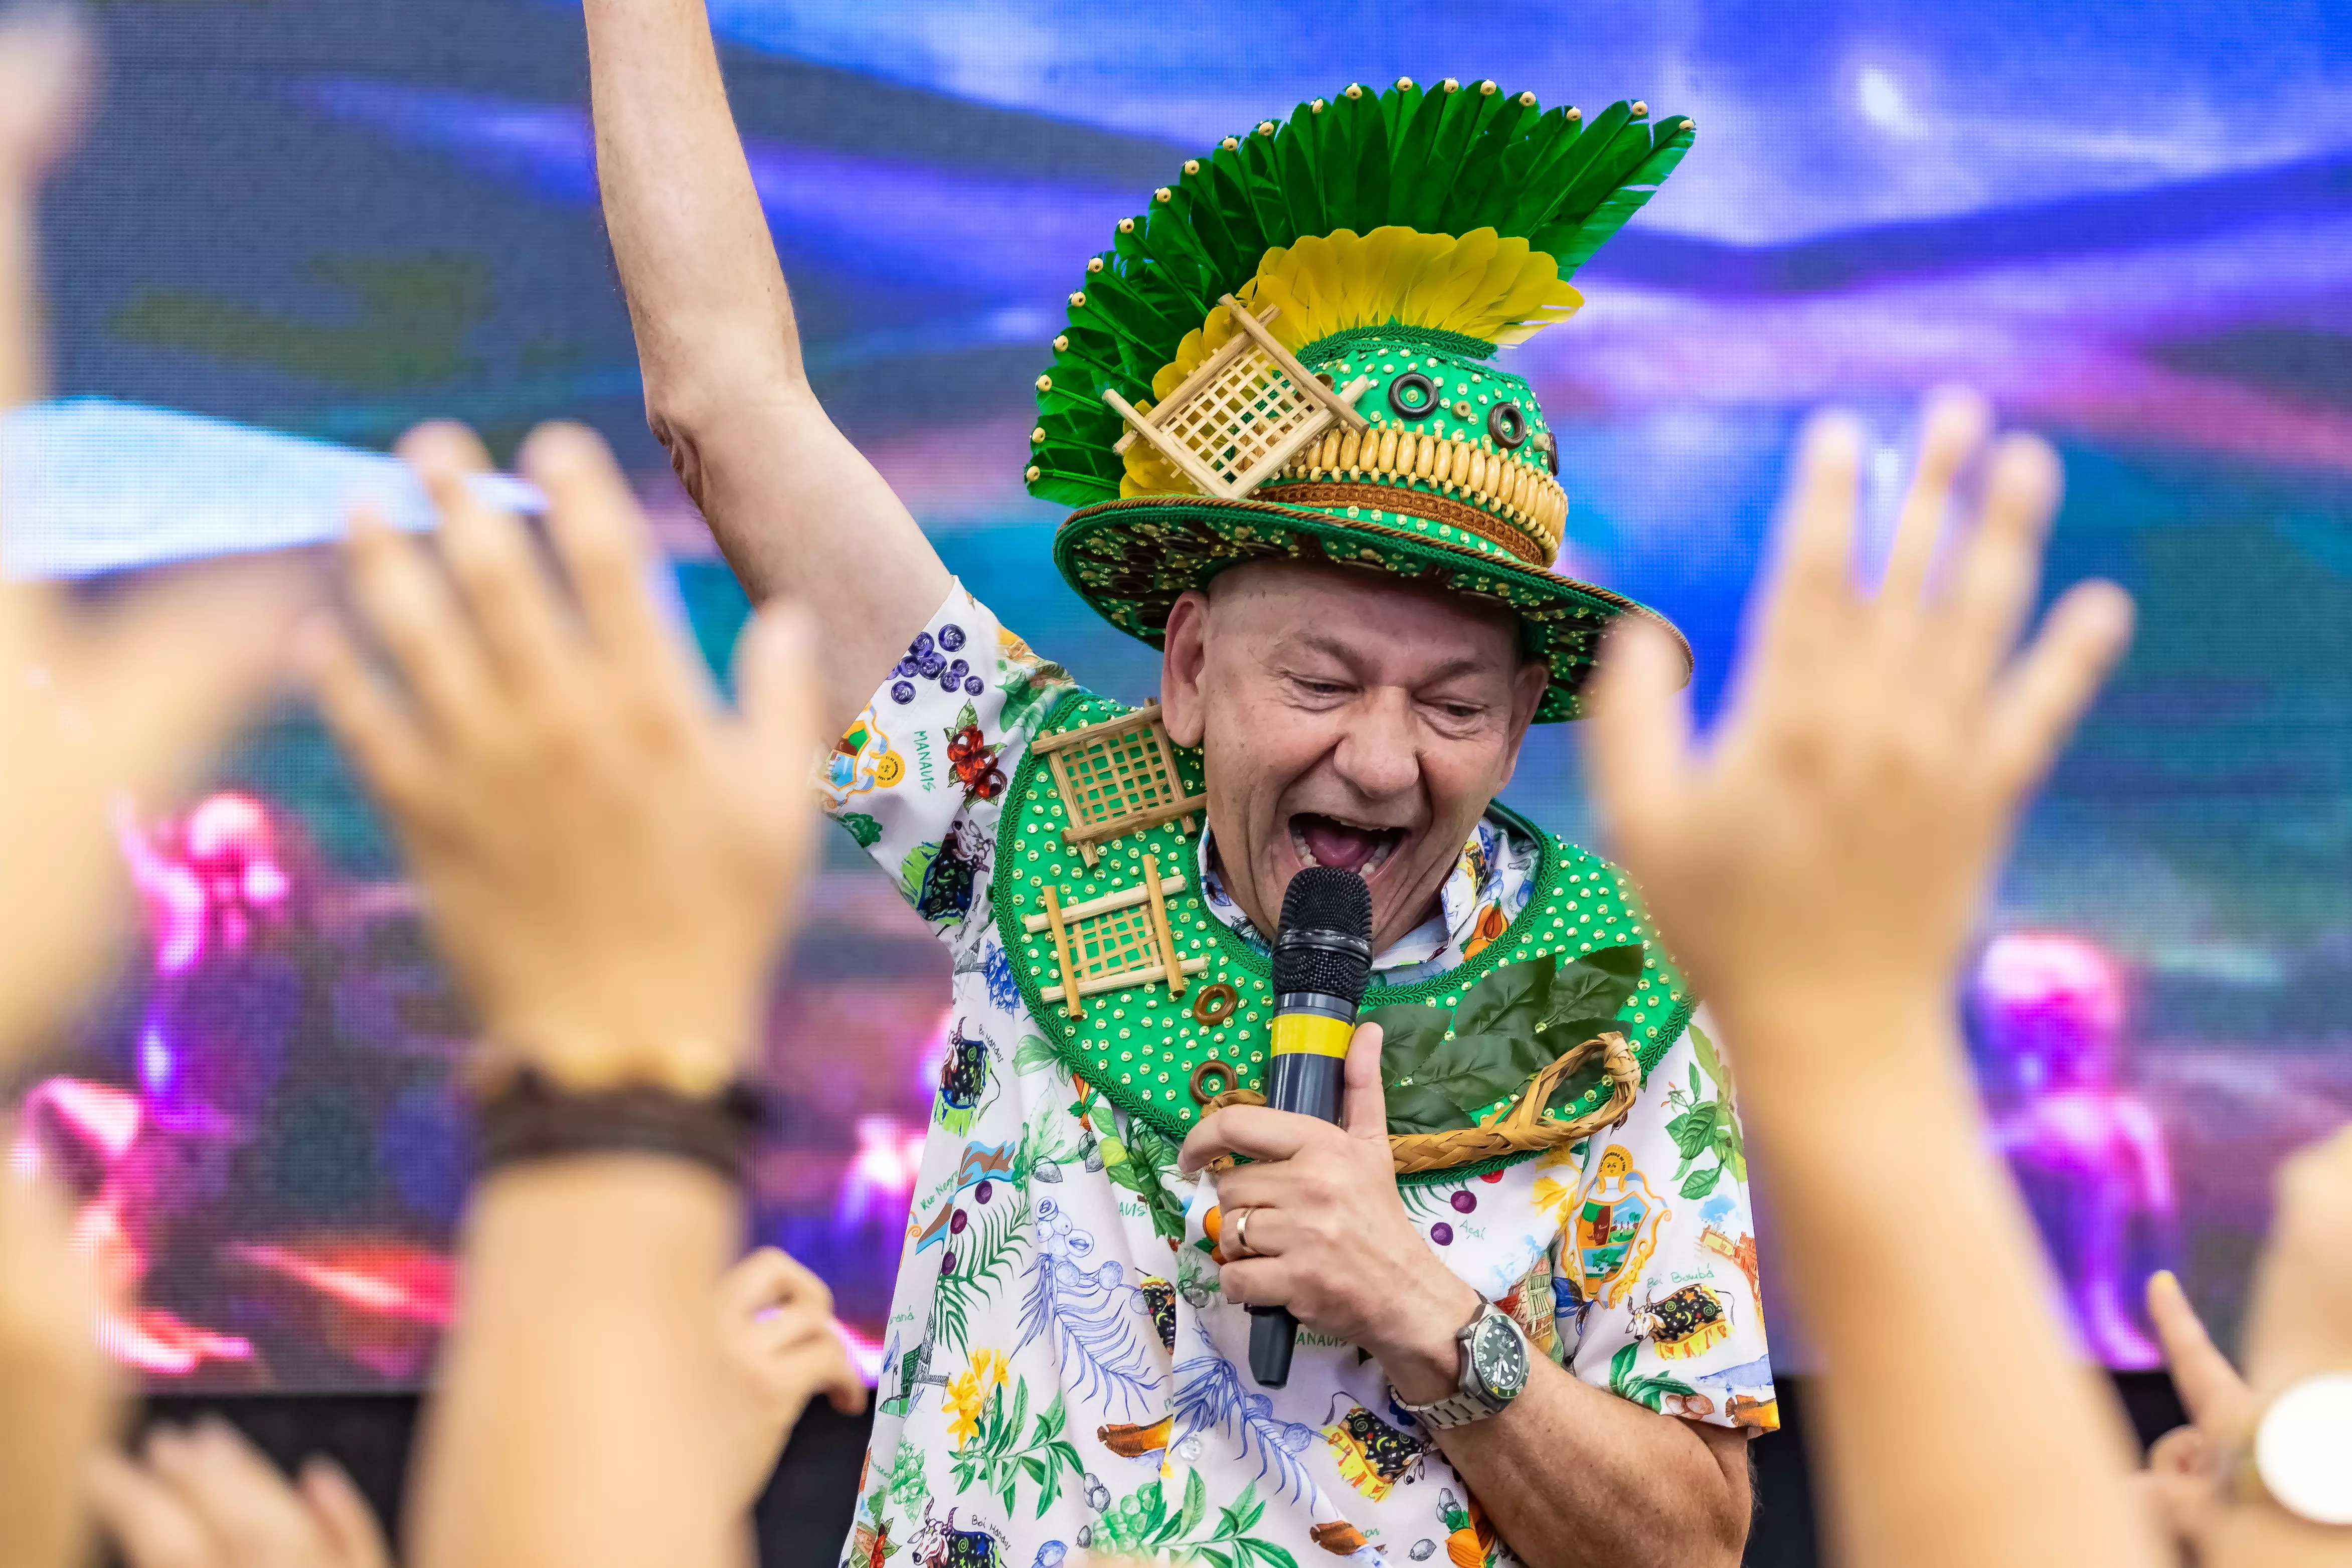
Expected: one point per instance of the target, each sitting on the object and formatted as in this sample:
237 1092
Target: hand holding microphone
1322 961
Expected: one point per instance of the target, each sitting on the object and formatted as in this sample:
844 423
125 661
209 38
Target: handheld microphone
1322 961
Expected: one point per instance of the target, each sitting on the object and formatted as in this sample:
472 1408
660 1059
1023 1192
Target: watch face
2303 1449
1499 1359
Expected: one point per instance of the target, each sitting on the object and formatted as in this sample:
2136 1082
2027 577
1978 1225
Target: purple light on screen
2088 1152
157 1064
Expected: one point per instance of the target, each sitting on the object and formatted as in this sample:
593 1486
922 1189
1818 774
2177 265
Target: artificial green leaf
1417 1108
1474 1071
1594 985
1409 1032
1574 1087
1512 998
1701 1182
1515 1057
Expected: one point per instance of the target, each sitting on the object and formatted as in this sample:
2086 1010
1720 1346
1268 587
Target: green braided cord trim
1323 350
1137 1047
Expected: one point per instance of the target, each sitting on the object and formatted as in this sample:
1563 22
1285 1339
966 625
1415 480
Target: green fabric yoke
1139 1047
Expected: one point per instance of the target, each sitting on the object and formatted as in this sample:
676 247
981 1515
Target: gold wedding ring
1241 1248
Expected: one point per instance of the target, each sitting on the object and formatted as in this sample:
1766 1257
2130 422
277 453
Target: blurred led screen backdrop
299 228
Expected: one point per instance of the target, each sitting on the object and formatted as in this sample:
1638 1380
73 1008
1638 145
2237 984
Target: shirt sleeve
919 779
1661 1297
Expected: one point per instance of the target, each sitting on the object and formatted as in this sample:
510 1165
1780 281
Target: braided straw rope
1523 1129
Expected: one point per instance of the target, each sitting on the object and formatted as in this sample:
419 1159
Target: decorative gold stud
1061 341
1044 384
1640 109
1526 100
1404 84
1037 436
1077 299
1356 89
1094 264
1033 472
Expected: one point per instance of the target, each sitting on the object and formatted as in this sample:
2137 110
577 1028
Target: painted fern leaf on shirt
1210 1398
1087 1316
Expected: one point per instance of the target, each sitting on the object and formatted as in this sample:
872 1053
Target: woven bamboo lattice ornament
1240 419
1116 778
1111 942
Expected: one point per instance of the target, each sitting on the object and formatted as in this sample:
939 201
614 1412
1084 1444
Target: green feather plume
1445 160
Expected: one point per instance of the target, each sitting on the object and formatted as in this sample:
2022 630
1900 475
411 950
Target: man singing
1524 1267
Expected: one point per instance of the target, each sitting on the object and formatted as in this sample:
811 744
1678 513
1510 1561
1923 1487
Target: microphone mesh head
1325 943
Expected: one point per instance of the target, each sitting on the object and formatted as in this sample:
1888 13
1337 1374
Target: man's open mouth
1358 847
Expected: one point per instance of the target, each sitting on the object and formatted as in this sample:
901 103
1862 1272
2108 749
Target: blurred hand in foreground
2183 1481
90 705
1828 850
55 1387
2301 1325
609 857
205 1497
776 1330
1819 868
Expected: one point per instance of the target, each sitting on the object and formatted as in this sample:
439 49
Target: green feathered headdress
1287 354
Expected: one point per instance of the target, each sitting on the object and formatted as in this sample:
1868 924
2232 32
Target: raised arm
796 508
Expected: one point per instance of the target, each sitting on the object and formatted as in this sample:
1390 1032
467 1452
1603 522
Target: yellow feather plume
1477 284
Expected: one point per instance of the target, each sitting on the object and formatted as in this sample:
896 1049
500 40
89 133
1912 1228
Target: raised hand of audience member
90 705
2182 1480
205 1497
1819 867
610 861
777 1332
55 1389
1830 849
2300 1327
608 858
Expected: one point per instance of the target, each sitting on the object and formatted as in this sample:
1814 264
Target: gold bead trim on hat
1421 504
1513 489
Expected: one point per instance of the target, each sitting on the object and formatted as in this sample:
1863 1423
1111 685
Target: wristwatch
1494 1372
2301 1453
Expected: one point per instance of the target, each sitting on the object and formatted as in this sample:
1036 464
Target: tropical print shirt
1061 1376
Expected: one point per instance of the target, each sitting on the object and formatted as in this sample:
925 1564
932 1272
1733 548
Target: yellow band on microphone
1312 1033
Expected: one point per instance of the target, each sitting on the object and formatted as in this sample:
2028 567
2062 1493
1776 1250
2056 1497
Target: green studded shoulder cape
1145 1049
